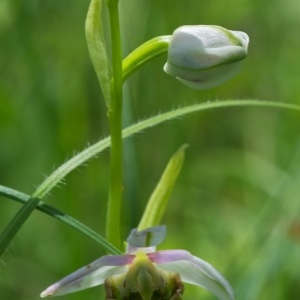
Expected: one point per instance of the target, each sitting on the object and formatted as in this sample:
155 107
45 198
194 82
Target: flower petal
193 270
148 237
205 56
91 275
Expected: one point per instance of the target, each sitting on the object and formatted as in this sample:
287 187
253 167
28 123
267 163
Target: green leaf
55 213
157 203
96 46
16 223
92 151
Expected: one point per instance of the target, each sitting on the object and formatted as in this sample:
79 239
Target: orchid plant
201 57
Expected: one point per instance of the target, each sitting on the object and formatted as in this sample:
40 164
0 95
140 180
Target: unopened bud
203 56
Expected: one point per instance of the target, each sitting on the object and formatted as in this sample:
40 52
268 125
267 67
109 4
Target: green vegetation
236 202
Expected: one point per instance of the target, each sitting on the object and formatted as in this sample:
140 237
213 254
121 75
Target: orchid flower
144 273
205 56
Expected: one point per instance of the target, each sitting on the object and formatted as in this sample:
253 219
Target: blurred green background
237 200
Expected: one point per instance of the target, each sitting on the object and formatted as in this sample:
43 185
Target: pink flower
144 273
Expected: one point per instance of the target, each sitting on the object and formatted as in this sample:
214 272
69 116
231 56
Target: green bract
205 56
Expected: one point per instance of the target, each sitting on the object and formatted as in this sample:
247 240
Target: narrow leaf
61 216
93 150
90 152
157 203
16 223
97 50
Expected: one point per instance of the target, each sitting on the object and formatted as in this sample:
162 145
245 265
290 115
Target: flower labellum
144 273
205 56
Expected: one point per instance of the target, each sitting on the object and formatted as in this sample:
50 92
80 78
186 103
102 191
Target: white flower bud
203 56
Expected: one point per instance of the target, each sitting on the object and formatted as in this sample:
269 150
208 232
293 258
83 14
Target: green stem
113 225
145 53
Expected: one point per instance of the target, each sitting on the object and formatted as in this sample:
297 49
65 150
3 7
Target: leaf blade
158 201
61 216
96 47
